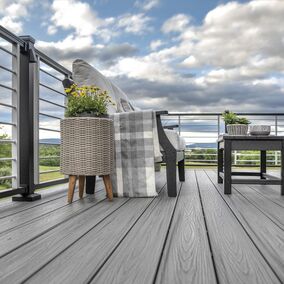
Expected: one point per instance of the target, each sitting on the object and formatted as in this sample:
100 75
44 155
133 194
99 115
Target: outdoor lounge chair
172 149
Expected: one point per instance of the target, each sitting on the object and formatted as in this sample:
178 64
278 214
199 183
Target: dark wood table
229 143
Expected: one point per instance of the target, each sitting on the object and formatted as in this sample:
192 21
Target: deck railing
32 102
201 130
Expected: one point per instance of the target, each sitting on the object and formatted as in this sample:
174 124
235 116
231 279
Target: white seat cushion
177 141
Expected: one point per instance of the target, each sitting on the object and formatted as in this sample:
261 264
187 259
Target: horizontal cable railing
201 131
9 101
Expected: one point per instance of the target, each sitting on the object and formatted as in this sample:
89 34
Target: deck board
236 258
137 258
266 235
8 208
48 246
265 205
187 256
30 214
17 237
101 241
270 192
203 236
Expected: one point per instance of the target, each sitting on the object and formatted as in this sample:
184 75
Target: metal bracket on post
27 120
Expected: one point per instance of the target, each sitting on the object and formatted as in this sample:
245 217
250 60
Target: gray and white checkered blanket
136 150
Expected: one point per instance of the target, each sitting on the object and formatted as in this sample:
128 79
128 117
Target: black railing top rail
220 113
10 37
52 63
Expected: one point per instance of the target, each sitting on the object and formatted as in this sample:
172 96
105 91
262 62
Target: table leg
220 163
227 167
90 184
262 164
282 169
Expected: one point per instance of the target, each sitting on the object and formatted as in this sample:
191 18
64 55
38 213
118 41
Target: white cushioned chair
172 146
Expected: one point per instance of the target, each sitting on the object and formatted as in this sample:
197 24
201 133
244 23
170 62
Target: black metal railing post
27 120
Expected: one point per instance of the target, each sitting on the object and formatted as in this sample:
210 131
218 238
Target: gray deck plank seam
25 280
39 216
42 201
121 240
253 188
52 227
34 205
245 230
261 261
167 233
267 215
261 210
235 187
207 232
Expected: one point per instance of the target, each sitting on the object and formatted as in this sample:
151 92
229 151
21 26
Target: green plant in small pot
87 101
235 125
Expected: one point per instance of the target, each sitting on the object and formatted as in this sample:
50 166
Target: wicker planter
237 129
87 149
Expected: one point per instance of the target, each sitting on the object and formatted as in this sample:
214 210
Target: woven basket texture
237 129
87 146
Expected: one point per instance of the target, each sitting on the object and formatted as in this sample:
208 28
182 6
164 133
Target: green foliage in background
5 166
52 151
244 158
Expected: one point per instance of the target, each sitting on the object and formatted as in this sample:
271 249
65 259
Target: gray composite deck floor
202 236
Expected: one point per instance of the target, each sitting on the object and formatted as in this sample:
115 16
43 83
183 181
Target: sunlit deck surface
202 236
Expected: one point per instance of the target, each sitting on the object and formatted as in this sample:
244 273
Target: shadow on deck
202 236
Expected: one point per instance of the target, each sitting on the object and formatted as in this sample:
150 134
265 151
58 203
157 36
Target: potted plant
87 101
87 143
235 125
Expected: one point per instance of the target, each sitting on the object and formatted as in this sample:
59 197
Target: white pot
237 129
259 129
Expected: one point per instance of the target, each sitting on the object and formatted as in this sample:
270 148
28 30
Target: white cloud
147 4
155 44
176 23
80 17
189 62
51 30
233 52
13 13
134 23
71 14
142 68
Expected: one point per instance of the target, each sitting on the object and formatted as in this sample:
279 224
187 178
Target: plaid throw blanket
136 150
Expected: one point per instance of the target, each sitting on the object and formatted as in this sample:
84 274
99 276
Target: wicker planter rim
86 118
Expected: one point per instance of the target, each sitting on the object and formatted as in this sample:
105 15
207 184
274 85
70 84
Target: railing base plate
30 197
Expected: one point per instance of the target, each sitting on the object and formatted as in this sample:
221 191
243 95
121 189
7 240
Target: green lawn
49 176
3 186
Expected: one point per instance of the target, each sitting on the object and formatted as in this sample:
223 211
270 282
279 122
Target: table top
249 137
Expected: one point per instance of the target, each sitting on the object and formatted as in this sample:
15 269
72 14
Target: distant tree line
249 158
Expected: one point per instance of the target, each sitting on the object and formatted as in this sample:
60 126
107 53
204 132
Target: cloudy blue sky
182 55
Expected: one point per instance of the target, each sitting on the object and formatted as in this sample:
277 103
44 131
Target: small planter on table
87 149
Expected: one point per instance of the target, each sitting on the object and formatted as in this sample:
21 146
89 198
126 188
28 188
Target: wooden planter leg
72 183
108 186
81 186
